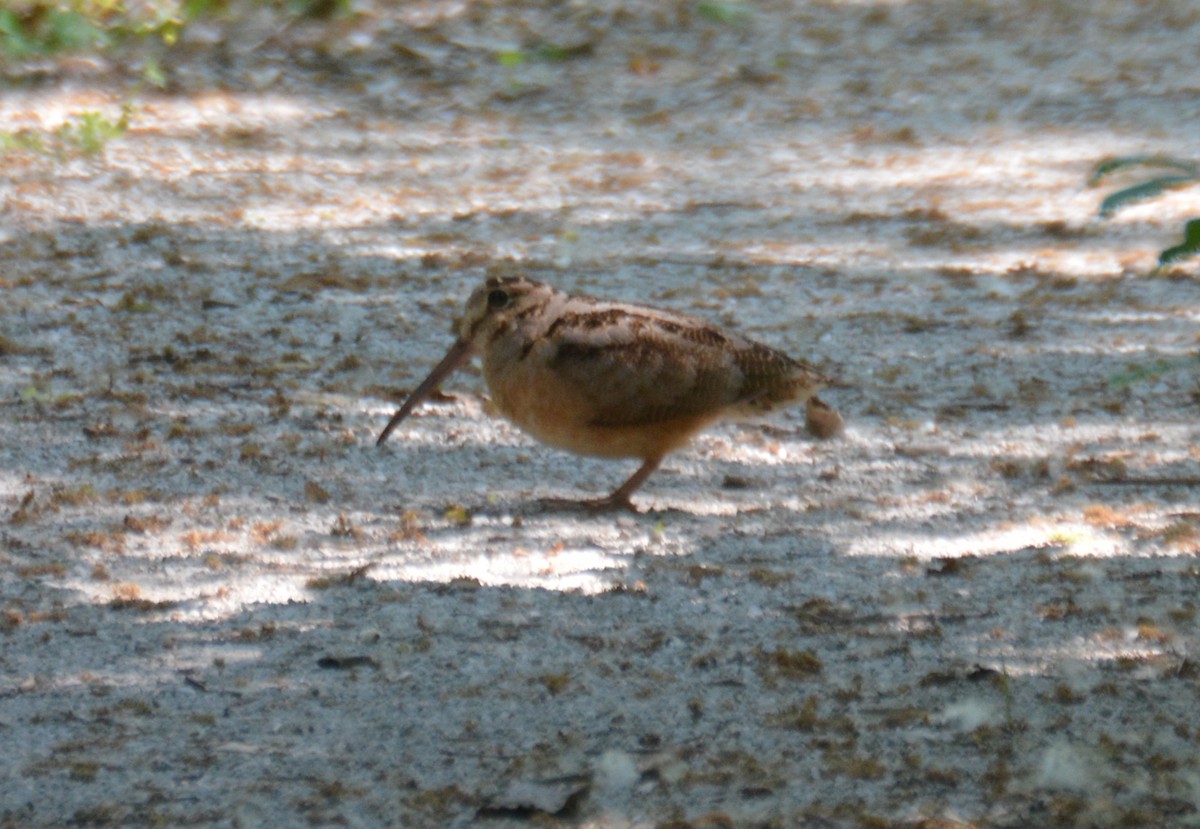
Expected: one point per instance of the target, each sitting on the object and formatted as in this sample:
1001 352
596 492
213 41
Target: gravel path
221 605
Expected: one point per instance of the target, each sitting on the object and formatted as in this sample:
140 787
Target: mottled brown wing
662 367
773 379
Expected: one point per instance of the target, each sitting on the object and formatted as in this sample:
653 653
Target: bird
614 379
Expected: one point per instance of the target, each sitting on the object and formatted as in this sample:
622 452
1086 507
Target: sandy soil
223 606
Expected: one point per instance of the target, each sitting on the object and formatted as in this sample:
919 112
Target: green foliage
545 52
86 134
1183 173
90 131
510 58
38 28
319 9
20 141
724 11
43 29
52 28
1141 192
1111 165
1190 246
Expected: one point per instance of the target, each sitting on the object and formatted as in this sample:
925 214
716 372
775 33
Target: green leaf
511 57
1190 246
553 53
458 515
13 38
33 394
723 11
192 9
90 131
23 141
1111 165
71 31
1141 192
153 74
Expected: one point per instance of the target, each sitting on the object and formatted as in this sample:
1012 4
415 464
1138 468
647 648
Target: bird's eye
497 299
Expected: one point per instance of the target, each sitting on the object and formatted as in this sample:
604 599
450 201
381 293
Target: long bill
458 354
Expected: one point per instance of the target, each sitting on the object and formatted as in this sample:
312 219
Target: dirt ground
223 606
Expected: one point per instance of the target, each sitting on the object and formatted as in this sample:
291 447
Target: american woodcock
612 379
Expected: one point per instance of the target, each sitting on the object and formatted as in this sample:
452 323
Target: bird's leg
619 499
